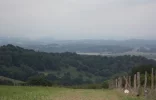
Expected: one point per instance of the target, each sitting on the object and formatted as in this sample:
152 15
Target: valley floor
51 93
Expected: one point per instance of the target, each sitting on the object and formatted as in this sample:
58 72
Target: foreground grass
28 93
51 93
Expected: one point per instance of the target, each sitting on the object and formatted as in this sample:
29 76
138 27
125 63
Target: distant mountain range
83 46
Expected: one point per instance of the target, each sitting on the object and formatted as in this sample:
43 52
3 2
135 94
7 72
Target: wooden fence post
126 82
155 79
145 82
116 83
134 84
145 86
130 82
152 79
120 82
138 83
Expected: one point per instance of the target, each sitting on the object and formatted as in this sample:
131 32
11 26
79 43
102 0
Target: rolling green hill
9 81
63 68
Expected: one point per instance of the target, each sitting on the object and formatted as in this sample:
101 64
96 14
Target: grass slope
53 93
11 80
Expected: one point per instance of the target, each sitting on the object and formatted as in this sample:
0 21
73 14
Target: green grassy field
54 93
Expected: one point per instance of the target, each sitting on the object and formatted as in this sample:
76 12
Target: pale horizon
78 19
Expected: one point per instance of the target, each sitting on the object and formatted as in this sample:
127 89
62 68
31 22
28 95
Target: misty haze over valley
89 27
138 47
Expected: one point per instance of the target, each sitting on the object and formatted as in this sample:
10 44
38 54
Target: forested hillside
63 68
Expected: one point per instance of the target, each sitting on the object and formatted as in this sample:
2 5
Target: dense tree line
26 65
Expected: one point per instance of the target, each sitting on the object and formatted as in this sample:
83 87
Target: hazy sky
78 19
